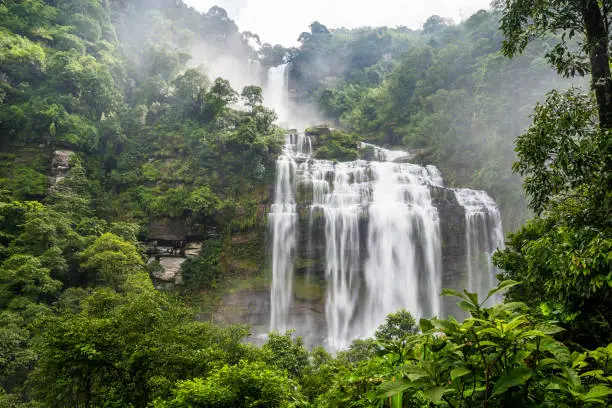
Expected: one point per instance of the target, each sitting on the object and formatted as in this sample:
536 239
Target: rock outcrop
60 165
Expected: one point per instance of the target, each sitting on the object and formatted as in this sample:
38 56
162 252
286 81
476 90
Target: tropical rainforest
110 122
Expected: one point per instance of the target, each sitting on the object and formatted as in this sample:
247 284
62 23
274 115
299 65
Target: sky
282 21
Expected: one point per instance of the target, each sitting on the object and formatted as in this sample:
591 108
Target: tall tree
582 22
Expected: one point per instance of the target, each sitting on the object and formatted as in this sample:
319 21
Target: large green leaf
531 333
426 325
502 307
451 292
466 306
507 284
518 376
556 348
472 297
459 372
549 328
391 388
491 331
598 394
434 394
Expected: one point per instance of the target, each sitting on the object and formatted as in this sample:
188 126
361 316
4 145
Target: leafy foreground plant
498 357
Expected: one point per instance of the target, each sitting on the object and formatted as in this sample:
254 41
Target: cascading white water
404 254
283 221
483 236
385 154
339 192
276 91
398 264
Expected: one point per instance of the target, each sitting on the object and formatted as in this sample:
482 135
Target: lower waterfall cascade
382 246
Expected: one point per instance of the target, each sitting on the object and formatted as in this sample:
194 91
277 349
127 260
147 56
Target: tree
240 386
110 260
285 353
397 326
317 28
23 280
220 95
587 21
252 96
563 256
190 89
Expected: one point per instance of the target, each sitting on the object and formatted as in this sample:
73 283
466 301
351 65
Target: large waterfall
369 233
355 241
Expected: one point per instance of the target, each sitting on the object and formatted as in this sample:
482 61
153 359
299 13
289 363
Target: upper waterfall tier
374 237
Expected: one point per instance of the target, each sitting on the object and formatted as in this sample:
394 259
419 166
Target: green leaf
472 297
518 376
416 376
593 373
502 307
434 394
451 292
391 388
530 333
426 325
596 394
507 284
557 349
549 328
491 331
546 362
466 306
459 372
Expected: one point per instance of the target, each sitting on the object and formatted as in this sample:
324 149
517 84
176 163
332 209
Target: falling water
276 92
404 255
371 268
283 220
483 236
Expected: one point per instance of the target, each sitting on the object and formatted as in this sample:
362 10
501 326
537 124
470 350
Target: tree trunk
597 43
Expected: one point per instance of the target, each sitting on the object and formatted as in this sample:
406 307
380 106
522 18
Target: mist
280 22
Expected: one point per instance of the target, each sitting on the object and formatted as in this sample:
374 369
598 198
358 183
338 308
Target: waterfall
283 221
276 92
370 233
483 236
404 254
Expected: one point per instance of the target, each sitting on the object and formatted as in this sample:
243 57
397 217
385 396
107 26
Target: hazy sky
282 21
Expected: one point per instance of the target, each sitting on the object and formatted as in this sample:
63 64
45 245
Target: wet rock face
249 306
452 231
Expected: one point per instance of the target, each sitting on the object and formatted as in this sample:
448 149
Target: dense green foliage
104 93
